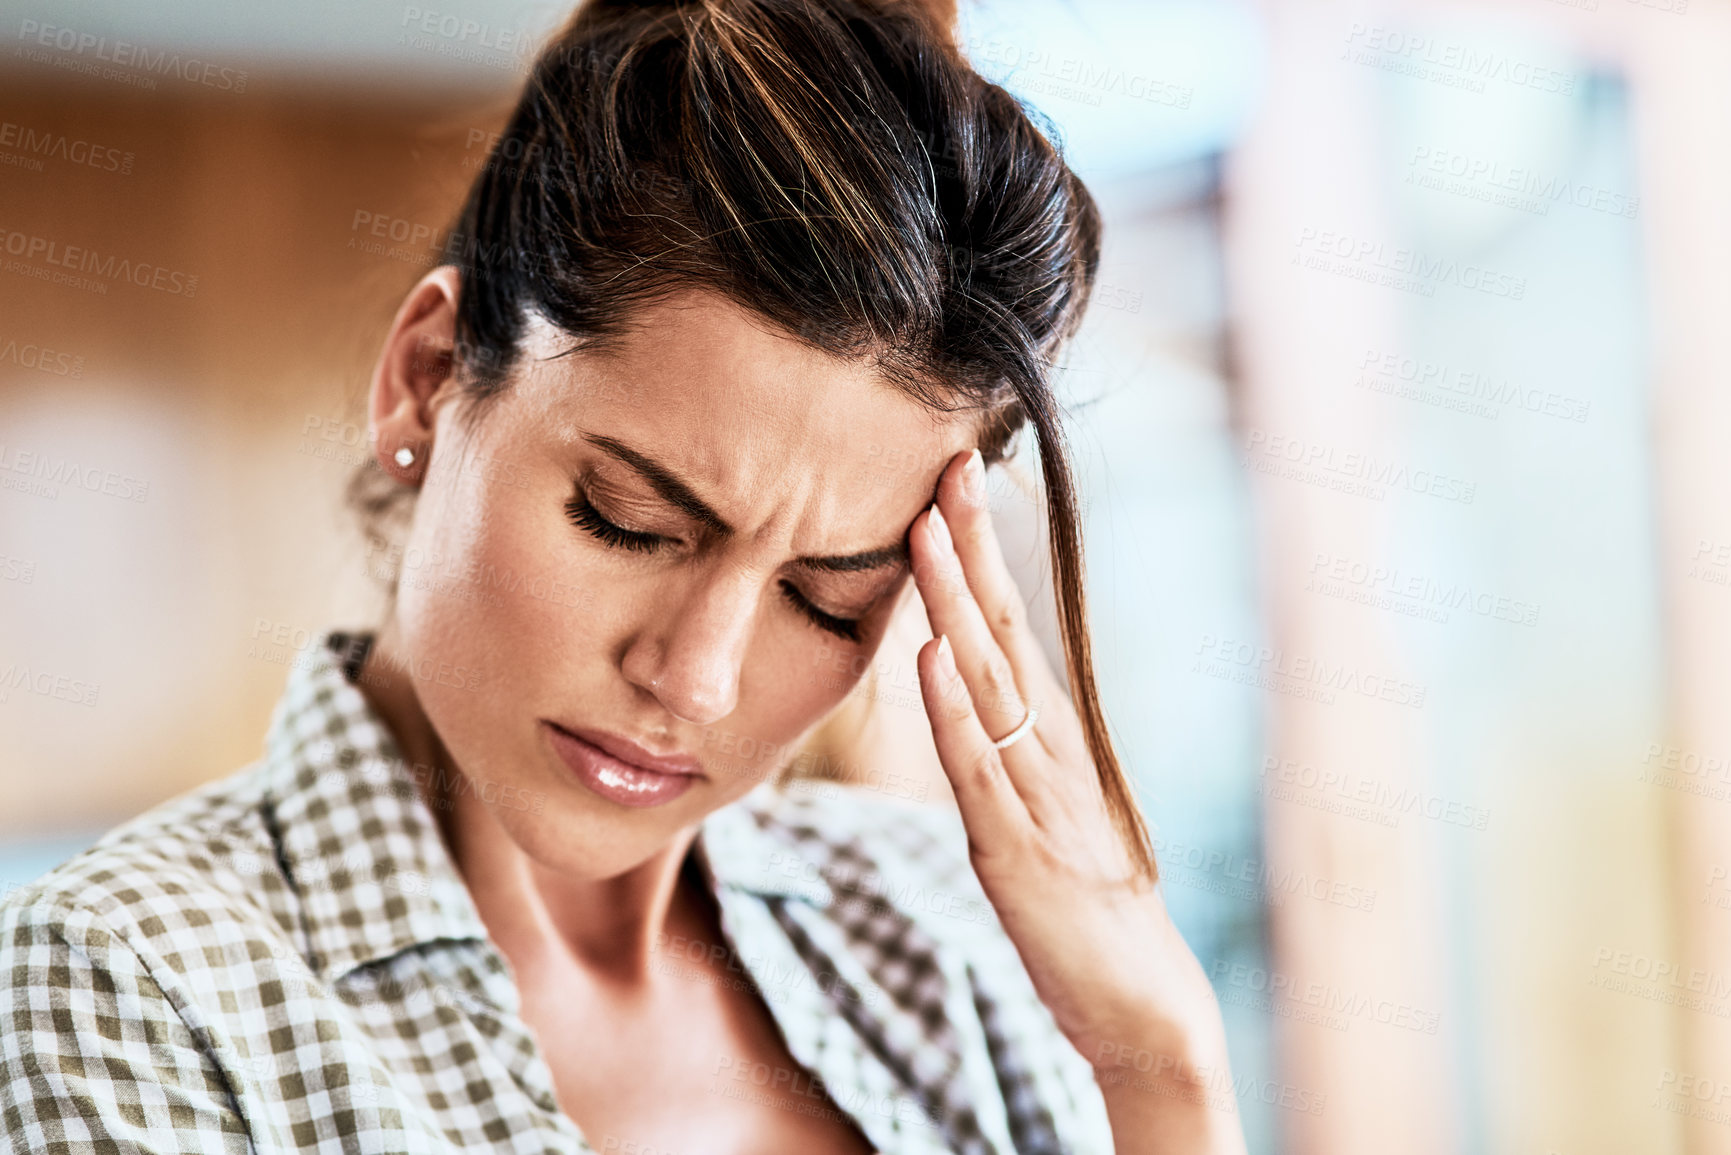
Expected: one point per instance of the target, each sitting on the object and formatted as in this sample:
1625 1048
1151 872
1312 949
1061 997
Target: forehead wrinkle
772 435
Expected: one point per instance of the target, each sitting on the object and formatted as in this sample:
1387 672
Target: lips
621 771
630 752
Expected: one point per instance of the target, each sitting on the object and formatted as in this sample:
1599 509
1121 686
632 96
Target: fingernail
974 479
946 657
940 532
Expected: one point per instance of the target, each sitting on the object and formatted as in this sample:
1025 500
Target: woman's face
685 547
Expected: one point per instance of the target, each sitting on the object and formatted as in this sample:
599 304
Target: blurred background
1402 411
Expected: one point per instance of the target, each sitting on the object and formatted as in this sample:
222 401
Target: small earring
405 457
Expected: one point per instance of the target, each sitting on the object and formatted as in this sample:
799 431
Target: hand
1095 937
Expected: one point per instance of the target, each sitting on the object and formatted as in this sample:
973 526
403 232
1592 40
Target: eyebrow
680 495
879 558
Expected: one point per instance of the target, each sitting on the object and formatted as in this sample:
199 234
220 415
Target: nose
690 655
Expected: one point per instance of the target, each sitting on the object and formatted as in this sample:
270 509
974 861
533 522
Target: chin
587 838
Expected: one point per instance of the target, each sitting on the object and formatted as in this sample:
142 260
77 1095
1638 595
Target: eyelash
847 628
586 517
589 519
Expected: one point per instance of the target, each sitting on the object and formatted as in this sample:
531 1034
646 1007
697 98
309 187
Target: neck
537 916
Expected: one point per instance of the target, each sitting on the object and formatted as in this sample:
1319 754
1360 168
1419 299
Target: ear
414 365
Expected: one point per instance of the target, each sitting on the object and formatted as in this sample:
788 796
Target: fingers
974 604
985 670
962 497
992 809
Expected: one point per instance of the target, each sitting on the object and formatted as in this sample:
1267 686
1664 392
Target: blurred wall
1475 248
194 284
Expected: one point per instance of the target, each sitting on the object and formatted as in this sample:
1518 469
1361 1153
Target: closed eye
841 627
588 518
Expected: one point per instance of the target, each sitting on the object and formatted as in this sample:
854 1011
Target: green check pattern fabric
288 961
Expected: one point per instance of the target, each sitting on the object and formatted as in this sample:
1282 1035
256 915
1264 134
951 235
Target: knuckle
983 769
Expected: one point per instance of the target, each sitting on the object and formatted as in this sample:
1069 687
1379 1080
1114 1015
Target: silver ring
1020 732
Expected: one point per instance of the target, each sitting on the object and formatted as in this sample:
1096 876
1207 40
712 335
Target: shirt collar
748 846
362 847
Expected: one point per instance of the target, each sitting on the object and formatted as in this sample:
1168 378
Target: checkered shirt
288 961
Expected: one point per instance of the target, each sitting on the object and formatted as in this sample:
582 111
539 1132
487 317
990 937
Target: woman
513 874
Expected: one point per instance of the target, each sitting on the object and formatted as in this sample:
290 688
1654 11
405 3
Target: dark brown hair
833 165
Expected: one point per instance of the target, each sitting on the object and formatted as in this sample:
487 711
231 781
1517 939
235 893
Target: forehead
713 390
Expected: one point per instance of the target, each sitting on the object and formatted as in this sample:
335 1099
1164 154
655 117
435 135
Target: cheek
794 678
502 591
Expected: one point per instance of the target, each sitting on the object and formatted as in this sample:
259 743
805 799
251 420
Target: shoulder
158 883
110 967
